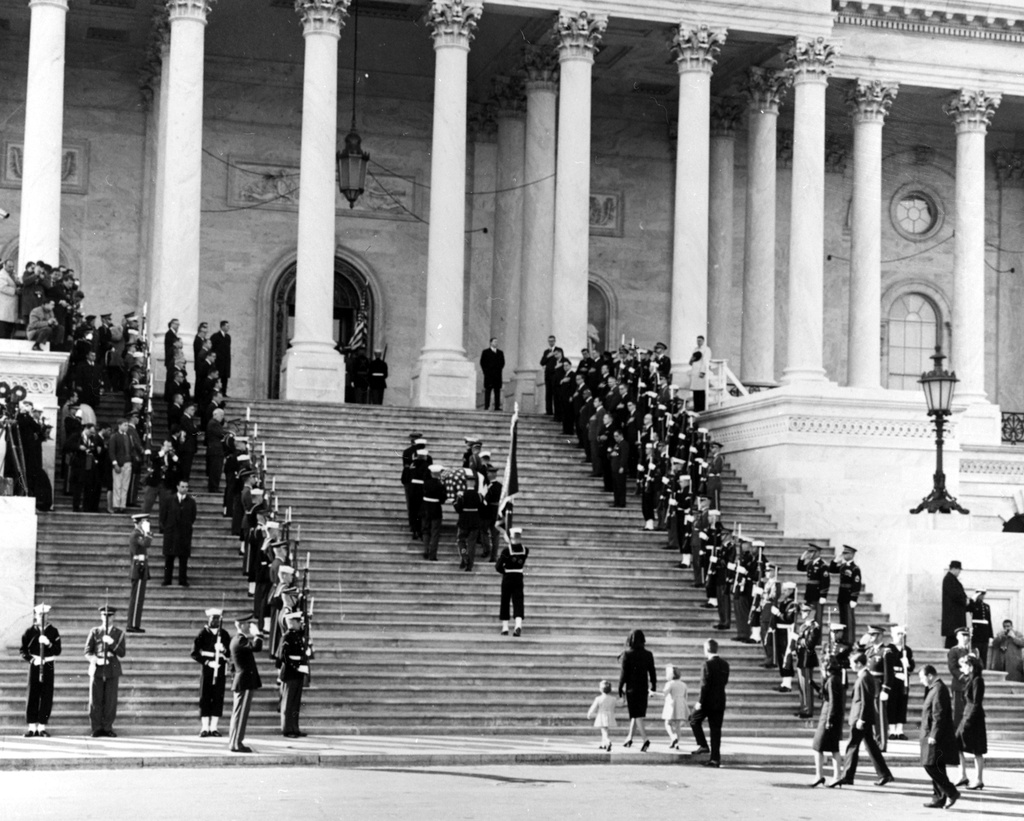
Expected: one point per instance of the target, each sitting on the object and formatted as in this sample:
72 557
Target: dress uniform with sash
293 664
210 649
849 590
138 554
40 644
432 512
104 648
510 565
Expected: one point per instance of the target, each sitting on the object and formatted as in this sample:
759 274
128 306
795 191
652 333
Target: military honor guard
819 579
808 639
716 465
138 554
104 648
510 565
40 645
211 650
468 504
781 628
900 663
243 650
981 626
432 512
849 589
293 672
284 599
410 499
876 650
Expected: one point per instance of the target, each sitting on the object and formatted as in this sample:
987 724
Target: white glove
220 649
853 605
212 665
823 600
883 697
108 640
44 641
254 631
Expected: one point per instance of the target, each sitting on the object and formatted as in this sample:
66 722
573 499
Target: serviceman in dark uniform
283 600
819 579
468 507
138 555
104 648
407 457
745 575
849 590
489 515
247 680
418 475
378 378
211 649
981 626
510 564
899 666
293 662
716 464
618 458
808 638
875 650
40 644
781 628
432 513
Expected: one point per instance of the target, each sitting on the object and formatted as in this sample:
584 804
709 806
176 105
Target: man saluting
247 681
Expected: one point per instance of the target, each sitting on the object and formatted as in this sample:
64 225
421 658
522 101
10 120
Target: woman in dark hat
637 669
830 724
971 733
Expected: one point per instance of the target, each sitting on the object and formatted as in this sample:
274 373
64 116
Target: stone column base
444 383
18 585
527 388
313 373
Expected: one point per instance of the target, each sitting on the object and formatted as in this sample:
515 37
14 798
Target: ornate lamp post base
939 501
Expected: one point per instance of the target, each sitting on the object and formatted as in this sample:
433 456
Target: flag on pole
358 338
510 482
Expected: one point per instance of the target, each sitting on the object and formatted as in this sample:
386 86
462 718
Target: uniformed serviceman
284 599
782 627
716 464
293 662
247 680
849 589
432 513
104 648
468 506
899 666
40 644
808 638
210 649
875 650
138 554
819 578
981 626
510 564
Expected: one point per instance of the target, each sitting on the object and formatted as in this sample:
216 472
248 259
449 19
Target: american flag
358 338
510 481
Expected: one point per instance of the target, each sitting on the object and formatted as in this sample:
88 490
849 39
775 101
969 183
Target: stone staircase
405 645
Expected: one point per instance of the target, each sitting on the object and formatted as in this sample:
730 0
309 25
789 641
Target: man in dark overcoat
176 520
939 746
954 604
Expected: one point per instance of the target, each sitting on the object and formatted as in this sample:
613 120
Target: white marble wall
18 557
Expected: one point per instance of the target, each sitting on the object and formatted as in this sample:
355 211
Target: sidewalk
82 752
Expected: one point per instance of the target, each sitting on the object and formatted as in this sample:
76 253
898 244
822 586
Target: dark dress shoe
885 779
701 751
214 734
979 786
184 584
952 801
44 734
30 734
819 782
935 805
134 630
715 764
833 784
517 632
98 733
290 735
241 748
110 734
204 734
646 747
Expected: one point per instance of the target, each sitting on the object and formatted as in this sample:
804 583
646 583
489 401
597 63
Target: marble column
312 368
577 35
39 230
725 113
541 64
695 49
506 282
869 102
443 376
176 278
971 111
810 62
764 90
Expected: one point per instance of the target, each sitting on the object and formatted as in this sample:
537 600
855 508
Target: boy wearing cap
138 573
104 648
40 644
510 565
210 649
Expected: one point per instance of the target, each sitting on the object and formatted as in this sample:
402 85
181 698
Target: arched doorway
352 296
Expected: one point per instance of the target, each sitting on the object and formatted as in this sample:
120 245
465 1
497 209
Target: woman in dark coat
971 733
637 670
830 725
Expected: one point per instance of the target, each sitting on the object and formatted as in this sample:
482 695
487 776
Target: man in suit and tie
714 675
862 721
170 338
220 344
939 745
492 363
176 520
247 681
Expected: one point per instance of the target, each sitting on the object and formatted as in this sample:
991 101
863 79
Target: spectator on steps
220 343
10 285
177 519
42 324
215 451
120 457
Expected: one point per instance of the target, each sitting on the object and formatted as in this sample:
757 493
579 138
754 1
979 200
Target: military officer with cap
418 475
293 663
981 626
211 649
510 565
819 578
432 513
716 465
849 589
661 361
468 505
247 680
40 644
284 599
138 574
104 648
875 650
899 666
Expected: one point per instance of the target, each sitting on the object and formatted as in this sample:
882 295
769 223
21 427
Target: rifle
307 614
42 647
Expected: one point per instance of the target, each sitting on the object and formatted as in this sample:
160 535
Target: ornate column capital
189 10
695 48
540 65
322 16
1009 166
764 89
811 59
869 101
725 114
157 46
972 110
454 22
578 34
509 96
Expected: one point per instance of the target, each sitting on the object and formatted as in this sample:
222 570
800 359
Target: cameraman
42 324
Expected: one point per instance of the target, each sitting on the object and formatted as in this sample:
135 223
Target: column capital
1009 166
481 123
61 4
764 89
157 47
322 16
189 10
696 47
725 114
578 33
972 110
454 22
509 96
869 101
540 64
811 59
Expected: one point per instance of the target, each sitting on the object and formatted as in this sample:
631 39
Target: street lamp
938 385
352 160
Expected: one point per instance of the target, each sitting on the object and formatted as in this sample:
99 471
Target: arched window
598 319
914 331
